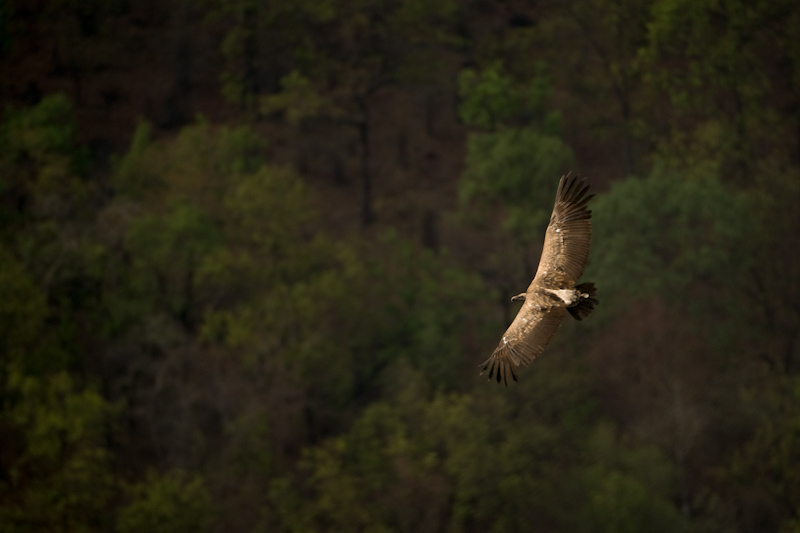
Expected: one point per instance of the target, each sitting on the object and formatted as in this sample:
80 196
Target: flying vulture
554 290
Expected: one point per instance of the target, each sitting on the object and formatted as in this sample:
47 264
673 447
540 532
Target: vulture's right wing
524 340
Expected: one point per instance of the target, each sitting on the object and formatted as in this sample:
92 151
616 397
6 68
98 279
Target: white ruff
568 296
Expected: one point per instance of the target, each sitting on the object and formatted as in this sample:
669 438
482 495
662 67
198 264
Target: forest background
251 253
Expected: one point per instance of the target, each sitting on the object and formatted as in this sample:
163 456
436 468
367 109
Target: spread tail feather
586 304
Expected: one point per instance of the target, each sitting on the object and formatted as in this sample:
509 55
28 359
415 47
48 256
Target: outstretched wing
524 340
569 234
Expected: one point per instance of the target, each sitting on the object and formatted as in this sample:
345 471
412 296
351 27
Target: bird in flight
554 290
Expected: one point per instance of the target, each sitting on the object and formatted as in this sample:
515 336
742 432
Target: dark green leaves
516 169
666 235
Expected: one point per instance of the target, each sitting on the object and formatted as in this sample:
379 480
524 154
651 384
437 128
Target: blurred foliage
692 231
716 74
42 164
760 485
332 51
23 313
514 168
446 464
491 97
169 503
513 164
297 98
60 475
185 345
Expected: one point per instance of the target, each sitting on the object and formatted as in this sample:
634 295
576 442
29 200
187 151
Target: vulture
554 291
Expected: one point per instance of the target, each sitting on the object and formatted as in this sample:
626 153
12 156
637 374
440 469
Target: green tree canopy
668 235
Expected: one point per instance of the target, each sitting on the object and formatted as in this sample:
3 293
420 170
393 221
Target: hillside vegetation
251 254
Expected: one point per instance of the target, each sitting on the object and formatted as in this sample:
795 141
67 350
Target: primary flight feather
554 290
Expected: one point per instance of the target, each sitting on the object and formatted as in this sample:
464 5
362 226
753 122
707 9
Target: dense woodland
252 252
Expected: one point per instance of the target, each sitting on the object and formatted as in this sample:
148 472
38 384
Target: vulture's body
554 291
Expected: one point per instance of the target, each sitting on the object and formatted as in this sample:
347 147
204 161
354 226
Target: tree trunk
367 216
625 108
250 82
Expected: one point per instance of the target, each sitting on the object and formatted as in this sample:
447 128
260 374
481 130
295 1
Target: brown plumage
553 291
